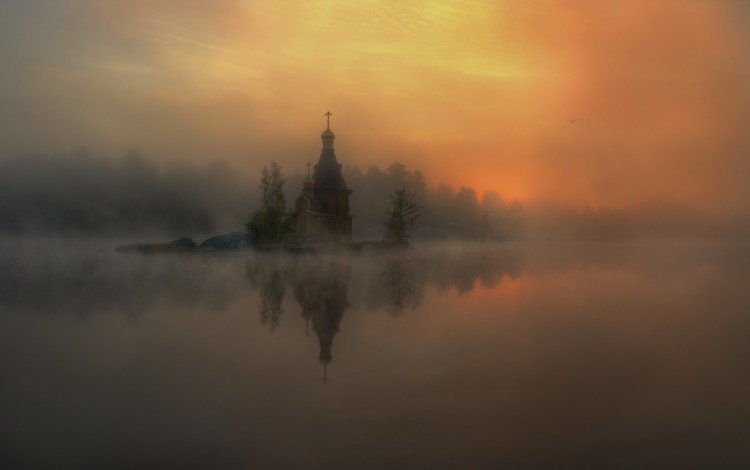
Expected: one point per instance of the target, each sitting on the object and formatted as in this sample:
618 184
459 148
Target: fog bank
78 194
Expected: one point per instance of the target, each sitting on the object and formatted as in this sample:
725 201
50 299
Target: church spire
328 170
328 136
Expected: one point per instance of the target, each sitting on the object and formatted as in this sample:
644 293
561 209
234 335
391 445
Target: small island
321 217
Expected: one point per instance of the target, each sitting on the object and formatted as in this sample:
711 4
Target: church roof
328 171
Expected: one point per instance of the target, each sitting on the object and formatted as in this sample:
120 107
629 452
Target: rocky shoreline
237 241
233 241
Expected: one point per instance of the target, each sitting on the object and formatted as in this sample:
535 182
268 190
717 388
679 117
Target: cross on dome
328 115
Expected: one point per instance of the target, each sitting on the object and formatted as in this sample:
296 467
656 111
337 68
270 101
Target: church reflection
320 286
323 286
321 289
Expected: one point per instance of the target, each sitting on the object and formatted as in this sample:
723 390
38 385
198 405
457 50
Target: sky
603 103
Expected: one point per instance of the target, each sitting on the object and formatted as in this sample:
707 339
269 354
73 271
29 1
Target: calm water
529 356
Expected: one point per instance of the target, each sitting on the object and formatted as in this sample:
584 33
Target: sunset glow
343 234
601 103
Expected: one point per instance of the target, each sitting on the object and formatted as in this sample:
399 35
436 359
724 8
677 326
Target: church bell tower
322 209
330 186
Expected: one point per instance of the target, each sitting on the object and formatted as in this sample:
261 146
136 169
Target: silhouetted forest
78 193
81 194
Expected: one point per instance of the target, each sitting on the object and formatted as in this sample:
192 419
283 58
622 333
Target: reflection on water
395 282
550 356
320 288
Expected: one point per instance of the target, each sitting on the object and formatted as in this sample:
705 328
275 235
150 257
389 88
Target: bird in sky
573 120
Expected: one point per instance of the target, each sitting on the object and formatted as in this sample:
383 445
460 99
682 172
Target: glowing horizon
474 93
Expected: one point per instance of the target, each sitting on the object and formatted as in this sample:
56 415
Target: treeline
78 193
81 194
446 212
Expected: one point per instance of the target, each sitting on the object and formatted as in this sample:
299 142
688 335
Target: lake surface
518 356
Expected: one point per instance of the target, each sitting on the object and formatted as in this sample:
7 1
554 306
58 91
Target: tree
401 217
485 226
271 221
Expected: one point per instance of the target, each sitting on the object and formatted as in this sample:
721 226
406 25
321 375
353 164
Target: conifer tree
401 217
271 221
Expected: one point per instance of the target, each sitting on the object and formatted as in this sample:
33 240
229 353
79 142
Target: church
321 211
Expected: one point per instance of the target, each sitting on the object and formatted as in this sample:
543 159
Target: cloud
473 93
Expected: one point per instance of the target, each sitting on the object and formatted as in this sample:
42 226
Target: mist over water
459 355
79 194
576 294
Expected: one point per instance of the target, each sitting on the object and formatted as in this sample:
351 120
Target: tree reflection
321 284
404 288
269 279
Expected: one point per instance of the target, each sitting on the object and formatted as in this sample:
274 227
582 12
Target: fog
81 194
660 220
77 193
86 277
574 296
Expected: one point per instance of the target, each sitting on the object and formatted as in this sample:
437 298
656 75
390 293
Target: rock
181 243
225 242
228 241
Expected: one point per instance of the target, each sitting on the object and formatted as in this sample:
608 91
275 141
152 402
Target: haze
470 93
572 294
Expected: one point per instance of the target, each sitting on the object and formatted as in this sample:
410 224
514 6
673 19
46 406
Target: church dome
308 182
328 134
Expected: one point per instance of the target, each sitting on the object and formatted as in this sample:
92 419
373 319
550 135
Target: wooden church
321 212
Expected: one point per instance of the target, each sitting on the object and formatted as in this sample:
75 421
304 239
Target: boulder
181 243
227 241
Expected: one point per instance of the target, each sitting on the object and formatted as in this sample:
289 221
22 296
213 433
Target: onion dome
328 134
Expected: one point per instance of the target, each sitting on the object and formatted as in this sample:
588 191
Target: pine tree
401 217
271 221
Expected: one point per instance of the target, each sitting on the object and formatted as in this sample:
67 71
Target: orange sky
478 93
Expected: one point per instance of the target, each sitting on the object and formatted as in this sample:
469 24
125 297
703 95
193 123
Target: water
517 356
